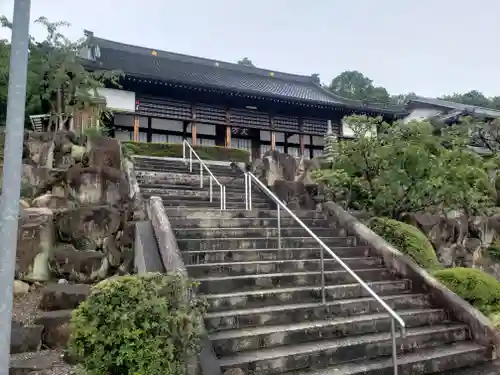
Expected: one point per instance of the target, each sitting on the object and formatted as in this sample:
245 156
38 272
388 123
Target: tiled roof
172 67
456 106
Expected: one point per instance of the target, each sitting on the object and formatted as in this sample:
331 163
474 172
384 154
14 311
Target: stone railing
399 264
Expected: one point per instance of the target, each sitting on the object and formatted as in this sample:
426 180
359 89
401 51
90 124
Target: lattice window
211 114
165 108
314 126
285 123
251 119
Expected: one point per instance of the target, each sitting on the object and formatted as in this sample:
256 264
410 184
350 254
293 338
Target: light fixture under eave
250 107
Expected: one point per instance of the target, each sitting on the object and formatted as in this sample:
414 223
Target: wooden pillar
136 128
150 130
302 145
273 133
228 129
193 125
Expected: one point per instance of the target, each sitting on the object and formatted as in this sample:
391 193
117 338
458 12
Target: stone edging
481 328
172 261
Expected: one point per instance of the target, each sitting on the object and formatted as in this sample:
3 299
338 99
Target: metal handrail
280 205
204 166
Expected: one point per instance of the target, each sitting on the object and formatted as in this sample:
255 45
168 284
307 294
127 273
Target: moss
174 150
475 286
407 239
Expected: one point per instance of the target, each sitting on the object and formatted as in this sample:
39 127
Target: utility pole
13 152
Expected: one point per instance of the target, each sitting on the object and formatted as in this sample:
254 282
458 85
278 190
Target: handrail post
279 226
184 150
190 160
221 198
322 266
249 192
246 191
224 190
210 189
394 347
201 175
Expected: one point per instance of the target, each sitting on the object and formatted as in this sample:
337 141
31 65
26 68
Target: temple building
169 97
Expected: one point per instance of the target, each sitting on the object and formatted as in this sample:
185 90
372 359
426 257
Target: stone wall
75 221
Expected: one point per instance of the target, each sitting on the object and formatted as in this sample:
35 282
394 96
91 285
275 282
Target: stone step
202 213
228 284
298 312
56 328
41 362
265 232
278 266
202 199
423 361
318 354
63 296
160 177
260 243
248 222
195 187
300 294
248 255
182 167
25 338
229 342
185 190
489 368
184 203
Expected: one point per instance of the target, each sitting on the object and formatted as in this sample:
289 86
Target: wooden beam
228 129
193 125
273 140
136 128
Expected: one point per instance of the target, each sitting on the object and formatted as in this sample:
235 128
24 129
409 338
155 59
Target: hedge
174 150
473 285
407 239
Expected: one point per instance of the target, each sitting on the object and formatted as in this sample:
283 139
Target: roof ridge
201 60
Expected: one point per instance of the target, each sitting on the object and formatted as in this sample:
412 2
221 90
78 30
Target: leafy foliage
407 239
355 85
138 325
57 81
407 168
246 61
475 286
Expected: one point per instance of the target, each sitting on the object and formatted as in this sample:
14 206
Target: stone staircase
265 311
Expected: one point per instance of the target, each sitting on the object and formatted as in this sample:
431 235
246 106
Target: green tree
58 83
4 78
407 168
473 97
355 85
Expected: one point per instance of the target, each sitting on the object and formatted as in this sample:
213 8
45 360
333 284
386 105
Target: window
243 144
294 151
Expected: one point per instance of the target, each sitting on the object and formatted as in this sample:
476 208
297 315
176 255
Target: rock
78 152
56 326
295 194
234 371
35 243
81 266
63 296
20 288
23 204
42 201
25 339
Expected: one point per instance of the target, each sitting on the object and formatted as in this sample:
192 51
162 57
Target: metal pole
190 160
221 198
322 265
249 192
224 190
246 191
9 205
211 189
184 151
279 226
201 175
394 347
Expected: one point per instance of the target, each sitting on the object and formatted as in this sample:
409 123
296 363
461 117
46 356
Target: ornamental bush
475 286
138 325
408 239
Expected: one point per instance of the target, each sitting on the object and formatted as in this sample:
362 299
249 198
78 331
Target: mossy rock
494 250
174 150
473 285
408 239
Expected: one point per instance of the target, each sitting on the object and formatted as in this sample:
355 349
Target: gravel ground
44 359
25 307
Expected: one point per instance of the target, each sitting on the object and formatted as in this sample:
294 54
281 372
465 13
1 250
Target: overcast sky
427 46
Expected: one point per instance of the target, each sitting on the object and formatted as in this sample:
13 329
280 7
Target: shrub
475 286
174 150
138 325
408 239
494 250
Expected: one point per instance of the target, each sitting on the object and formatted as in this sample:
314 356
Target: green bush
138 325
174 150
494 250
475 286
408 239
